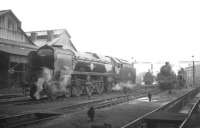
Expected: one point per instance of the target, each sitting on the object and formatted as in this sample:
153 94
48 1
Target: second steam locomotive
54 71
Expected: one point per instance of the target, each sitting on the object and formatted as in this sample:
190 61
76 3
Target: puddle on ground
143 99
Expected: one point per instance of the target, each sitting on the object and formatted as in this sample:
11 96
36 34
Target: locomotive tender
55 71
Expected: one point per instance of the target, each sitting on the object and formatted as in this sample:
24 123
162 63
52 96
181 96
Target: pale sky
148 30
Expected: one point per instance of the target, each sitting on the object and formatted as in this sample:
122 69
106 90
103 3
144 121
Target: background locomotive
181 78
58 71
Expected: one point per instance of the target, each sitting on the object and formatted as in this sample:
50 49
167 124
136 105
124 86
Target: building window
10 25
2 21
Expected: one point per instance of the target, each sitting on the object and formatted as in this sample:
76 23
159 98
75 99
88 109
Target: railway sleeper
26 119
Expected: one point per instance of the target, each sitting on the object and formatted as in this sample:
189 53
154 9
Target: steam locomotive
54 71
181 78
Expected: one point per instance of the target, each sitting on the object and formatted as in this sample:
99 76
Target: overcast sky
148 30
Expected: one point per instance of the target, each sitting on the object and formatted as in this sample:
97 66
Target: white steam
122 85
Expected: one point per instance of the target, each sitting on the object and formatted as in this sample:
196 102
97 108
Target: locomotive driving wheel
76 91
33 89
89 90
100 88
109 87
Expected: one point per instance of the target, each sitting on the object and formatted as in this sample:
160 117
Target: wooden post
9 74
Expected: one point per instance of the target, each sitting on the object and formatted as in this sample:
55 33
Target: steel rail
187 122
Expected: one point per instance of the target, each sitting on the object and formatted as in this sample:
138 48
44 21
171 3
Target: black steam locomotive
56 71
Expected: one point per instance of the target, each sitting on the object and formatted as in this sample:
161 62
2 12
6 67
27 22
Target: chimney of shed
33 36
50 35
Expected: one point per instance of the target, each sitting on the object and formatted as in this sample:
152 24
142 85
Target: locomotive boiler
54 71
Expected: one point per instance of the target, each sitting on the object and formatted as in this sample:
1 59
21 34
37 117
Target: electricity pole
193 71
132 62
152 68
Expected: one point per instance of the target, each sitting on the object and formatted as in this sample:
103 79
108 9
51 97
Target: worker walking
91 113
149 96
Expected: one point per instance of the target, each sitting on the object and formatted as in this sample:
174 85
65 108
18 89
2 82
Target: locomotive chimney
33 36
50 35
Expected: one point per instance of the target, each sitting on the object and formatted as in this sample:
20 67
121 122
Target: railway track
100 103
9 96
167 116
29 101
192 118
34 117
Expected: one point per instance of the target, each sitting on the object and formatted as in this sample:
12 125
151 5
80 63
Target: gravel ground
117 115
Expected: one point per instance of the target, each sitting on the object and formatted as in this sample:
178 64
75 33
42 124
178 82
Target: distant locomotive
181 78
55 71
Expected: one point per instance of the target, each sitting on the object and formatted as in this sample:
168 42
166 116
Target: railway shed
14 48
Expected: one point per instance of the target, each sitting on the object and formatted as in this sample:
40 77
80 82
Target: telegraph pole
152 68
132 62
193 71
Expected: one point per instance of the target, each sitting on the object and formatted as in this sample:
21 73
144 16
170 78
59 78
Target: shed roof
16 43
16 50
61 37
3 12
